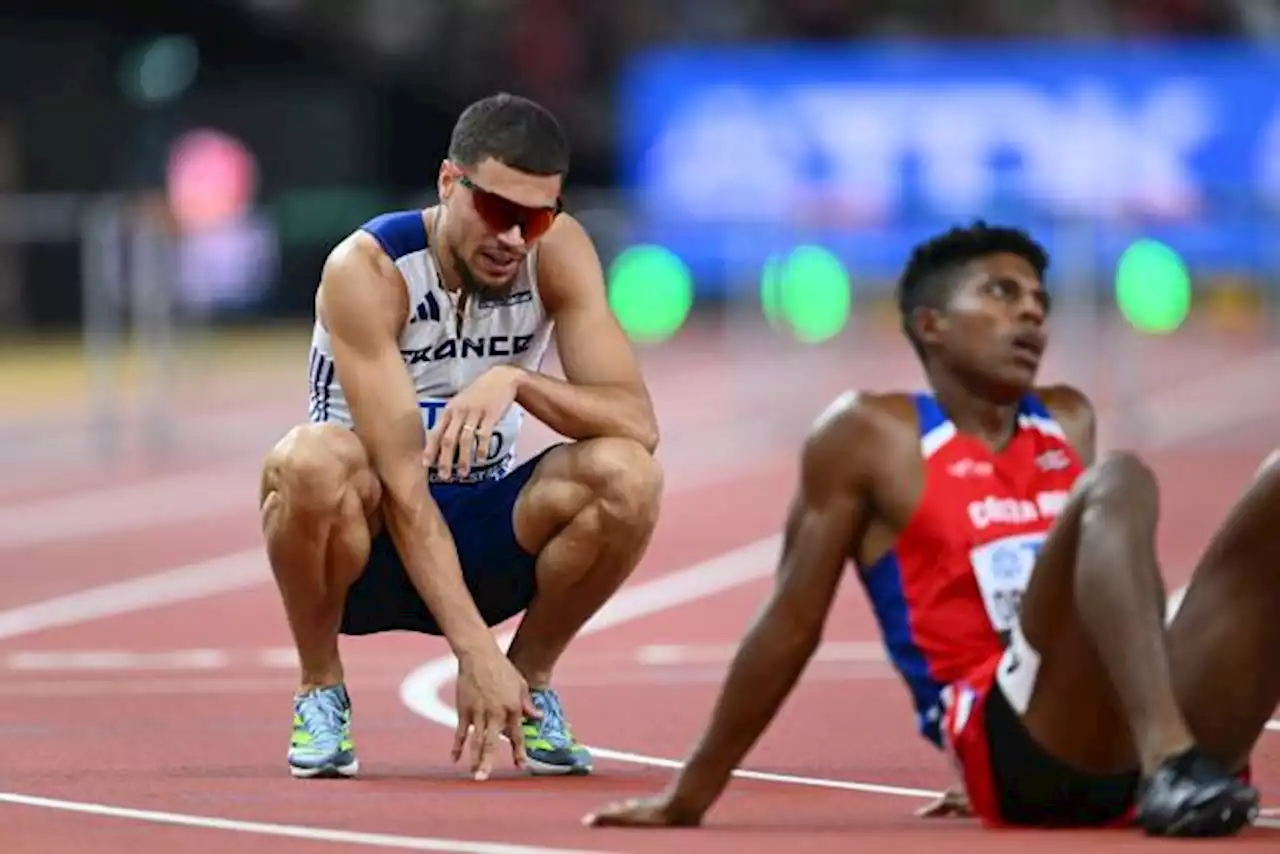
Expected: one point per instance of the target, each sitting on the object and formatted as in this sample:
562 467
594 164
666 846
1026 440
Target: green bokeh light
1153 287
650 292
808 291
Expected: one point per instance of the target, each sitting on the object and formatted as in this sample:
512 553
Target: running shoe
321 744
549 742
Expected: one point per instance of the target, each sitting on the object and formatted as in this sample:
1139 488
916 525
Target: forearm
762 674
431 562
588 412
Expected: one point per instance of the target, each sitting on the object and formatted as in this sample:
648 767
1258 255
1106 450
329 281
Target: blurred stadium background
753 171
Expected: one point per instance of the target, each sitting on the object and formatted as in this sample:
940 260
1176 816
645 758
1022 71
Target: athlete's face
496 215
993 327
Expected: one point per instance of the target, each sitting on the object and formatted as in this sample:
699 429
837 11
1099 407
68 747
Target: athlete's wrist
473 646
517 376
695 789
688 804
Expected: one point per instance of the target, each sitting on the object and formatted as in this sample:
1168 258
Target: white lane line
183 498
291 831
117 659
678 654
224 574
422 689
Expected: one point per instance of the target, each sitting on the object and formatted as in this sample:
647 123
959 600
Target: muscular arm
363 304
605 393
827 512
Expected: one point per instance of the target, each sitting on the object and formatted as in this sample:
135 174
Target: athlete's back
444 349
946 595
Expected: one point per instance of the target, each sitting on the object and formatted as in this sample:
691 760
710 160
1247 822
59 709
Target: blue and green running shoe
321 744
549 743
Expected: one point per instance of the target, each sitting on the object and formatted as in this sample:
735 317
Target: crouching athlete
1015 582
400 506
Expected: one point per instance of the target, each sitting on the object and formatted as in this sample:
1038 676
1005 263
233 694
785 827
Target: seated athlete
1015 581
400 506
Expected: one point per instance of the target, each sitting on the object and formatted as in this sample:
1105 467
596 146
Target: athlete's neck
991 422
446 263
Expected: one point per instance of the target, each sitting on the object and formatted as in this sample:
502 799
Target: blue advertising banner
730 154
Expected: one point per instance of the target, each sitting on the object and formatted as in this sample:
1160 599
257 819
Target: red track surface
210 741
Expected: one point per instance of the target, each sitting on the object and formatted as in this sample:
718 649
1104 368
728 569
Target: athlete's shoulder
1065 399
857 423
360 278
1074 411
566 251
396 233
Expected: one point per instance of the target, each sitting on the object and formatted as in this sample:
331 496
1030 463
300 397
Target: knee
319 470
1269 472
625 478
1119 480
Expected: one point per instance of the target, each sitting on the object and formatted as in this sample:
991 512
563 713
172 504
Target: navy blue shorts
498 572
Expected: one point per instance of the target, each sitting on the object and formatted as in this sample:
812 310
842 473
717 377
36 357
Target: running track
146 676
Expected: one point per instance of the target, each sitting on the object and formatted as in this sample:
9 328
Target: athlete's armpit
828 511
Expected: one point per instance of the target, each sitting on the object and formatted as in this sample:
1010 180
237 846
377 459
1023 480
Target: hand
466 424
953 803
492 698
657 811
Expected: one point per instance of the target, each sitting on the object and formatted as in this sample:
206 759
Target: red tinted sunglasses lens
503 214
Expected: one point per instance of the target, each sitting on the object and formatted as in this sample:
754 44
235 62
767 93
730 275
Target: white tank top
442 356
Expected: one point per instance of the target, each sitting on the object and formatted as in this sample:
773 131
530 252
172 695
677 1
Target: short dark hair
928 279
512 130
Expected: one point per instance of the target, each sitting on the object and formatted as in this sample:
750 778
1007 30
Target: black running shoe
1190 795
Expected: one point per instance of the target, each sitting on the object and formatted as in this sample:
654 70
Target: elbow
802 630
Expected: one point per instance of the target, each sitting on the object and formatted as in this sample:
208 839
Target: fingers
613 815
484 747
484 435
460 734
635 812
447 443
943 807
515 734
526 701
467 442
454 440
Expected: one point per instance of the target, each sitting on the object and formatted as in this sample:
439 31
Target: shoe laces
322 712
553 725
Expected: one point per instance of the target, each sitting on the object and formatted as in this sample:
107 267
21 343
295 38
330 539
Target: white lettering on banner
1081 150
1002 569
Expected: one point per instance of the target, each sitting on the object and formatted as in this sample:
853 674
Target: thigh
498 571
620 474
1053 679
1029 786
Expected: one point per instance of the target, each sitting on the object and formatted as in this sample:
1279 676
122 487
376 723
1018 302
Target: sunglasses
502 214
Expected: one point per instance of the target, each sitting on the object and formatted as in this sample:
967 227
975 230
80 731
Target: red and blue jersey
948 592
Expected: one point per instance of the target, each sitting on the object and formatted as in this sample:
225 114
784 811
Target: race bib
1003 569
493 461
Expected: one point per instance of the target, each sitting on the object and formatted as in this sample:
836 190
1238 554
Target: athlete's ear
930 324
446 179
